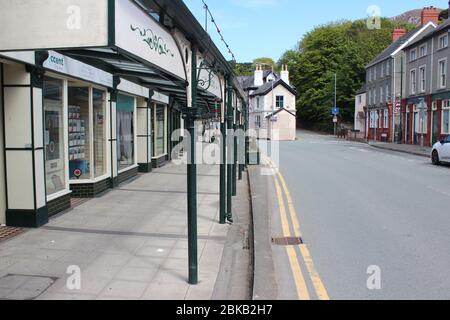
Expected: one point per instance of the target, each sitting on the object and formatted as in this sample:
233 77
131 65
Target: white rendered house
272 103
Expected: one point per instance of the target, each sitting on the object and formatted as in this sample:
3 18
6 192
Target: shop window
79 130
125 131
386 119
160 130
446 117
99 108
55 155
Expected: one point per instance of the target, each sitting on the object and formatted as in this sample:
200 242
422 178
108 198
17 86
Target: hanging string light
209 16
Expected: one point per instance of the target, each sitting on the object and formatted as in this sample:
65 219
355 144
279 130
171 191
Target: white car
441 152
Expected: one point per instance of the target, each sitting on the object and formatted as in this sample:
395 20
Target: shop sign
24 56
65 65
142 36
159 97
133 88
53 24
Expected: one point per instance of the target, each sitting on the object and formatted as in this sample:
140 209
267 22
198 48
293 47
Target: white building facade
272 104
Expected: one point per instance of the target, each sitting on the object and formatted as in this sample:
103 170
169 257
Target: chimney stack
259 75
398 33
430 14
285 73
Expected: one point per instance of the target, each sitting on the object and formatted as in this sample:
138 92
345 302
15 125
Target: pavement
403 148
375 221
131 243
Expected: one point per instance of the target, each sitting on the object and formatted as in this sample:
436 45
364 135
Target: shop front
75 98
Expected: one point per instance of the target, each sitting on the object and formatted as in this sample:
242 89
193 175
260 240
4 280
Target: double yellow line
300 283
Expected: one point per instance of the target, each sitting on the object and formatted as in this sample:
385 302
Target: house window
258 122
413 81
386 119
388 95
280 102
370 74
381 95
382 70
446 117
388 68
412 55
374 73
370 96
423 51
422 78
258 103
374 96
442 73
359 99
443 41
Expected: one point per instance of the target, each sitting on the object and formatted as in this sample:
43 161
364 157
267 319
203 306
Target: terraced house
426 109
385 81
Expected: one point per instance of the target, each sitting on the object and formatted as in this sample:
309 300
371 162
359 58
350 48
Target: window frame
413 51
445 108
443 46
413 81
442 86
423 82
423 47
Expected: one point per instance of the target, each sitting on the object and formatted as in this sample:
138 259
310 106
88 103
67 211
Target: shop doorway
407 128
436 133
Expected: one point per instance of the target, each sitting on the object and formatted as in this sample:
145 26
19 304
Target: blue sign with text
335 111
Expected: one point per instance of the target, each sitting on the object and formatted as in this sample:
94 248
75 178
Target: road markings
313 274
300 283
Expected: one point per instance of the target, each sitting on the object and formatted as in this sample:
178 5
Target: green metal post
223 159
230 150
235 142
192 178
241 126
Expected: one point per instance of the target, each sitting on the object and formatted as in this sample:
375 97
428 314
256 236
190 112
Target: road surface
369 219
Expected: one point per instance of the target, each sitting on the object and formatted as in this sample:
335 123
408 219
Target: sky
267 28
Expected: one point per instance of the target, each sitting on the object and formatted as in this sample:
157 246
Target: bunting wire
219 31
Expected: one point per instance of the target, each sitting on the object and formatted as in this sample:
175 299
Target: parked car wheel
435 158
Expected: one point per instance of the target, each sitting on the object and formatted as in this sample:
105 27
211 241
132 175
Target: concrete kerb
414 153
264 283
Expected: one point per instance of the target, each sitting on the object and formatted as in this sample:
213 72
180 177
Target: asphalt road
360 207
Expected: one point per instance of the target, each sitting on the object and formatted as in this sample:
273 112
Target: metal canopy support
229 143
191 116
223 161
235 146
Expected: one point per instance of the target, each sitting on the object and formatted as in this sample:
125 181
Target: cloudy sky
257 28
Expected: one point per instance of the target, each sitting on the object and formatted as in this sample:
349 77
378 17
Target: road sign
335 119
335 111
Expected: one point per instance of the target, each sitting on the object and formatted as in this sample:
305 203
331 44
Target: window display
79 146
54 135
125 131
160 134
99 107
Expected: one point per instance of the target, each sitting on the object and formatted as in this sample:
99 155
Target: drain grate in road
287 241
8 233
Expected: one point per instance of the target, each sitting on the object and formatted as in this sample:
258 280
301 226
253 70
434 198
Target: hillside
412 17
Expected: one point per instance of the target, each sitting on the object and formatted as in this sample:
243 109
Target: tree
343 48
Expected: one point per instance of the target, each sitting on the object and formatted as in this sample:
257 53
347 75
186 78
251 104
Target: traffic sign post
335 112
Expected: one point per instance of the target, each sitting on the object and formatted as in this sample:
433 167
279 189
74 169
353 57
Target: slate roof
428 35
386 53
278 111
267 87
362 89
